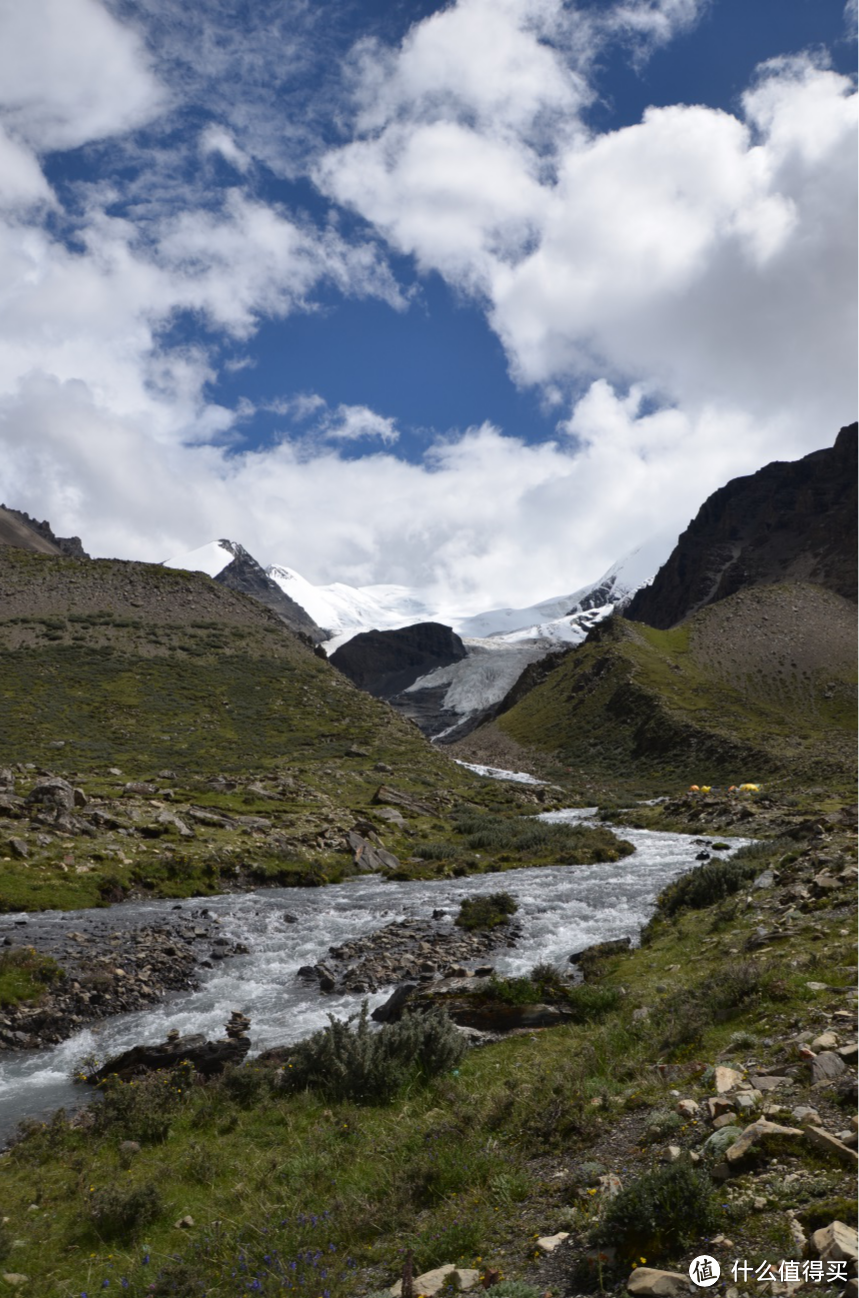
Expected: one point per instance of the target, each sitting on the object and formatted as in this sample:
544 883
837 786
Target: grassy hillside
263 755
762 685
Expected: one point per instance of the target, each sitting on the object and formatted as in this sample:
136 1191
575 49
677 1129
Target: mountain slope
143 665
232 566
761 684
787 522
25 533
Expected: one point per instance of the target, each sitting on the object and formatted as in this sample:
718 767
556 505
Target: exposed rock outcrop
787 522
246 575
26 533
206 1057
386 662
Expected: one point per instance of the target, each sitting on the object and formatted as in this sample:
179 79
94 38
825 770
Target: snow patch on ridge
210 559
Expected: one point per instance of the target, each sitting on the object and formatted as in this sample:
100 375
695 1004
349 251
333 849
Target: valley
613 990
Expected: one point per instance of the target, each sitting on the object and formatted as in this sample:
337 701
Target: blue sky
473 297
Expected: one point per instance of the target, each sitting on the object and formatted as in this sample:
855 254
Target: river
561 910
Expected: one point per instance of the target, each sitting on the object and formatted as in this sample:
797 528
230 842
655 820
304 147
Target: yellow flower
642 1259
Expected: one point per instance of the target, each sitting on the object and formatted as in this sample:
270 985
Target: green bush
487 911
342 1062
591 1003
706 884
526 835
684 1016
139 1110
660 1213
435 851
584 1003
512 991
116 1212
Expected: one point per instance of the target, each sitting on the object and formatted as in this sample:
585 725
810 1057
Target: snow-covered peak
210 559
619 583
346 610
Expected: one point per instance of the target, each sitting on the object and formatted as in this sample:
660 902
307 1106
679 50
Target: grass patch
25 975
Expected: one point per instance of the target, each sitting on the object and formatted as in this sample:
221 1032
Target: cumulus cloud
706 253
678 290
70 73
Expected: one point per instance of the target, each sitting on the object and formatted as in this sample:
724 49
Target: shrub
512 991
140 1110
116 1212
591 1003
487 911
706 884
660 1213
342 1062
525 834
685 1016
663 1122
435 851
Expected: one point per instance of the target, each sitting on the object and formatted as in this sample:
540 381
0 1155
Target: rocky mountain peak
788 522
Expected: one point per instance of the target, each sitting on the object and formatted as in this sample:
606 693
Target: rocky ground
410 949
117 964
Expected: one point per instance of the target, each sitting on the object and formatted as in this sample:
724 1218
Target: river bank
561 910
727 1016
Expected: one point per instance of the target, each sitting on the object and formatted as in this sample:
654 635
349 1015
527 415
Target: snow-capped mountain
500 642
229 563
346 610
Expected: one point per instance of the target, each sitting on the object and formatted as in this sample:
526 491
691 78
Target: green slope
113 673
759 685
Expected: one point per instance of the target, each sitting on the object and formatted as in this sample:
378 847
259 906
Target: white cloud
352 423
705 253
651 23
695 262
21 180
70 72
215 139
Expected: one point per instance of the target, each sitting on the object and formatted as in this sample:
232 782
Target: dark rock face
25 533
386 662
787 522
245 574
207 1057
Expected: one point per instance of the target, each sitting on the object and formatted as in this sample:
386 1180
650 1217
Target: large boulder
648 1282
836 1243
54 794
207 1057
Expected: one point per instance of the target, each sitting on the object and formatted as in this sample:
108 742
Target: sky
471 297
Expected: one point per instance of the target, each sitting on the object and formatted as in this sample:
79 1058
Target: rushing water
561 909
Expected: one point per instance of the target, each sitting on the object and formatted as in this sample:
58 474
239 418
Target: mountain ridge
791 520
